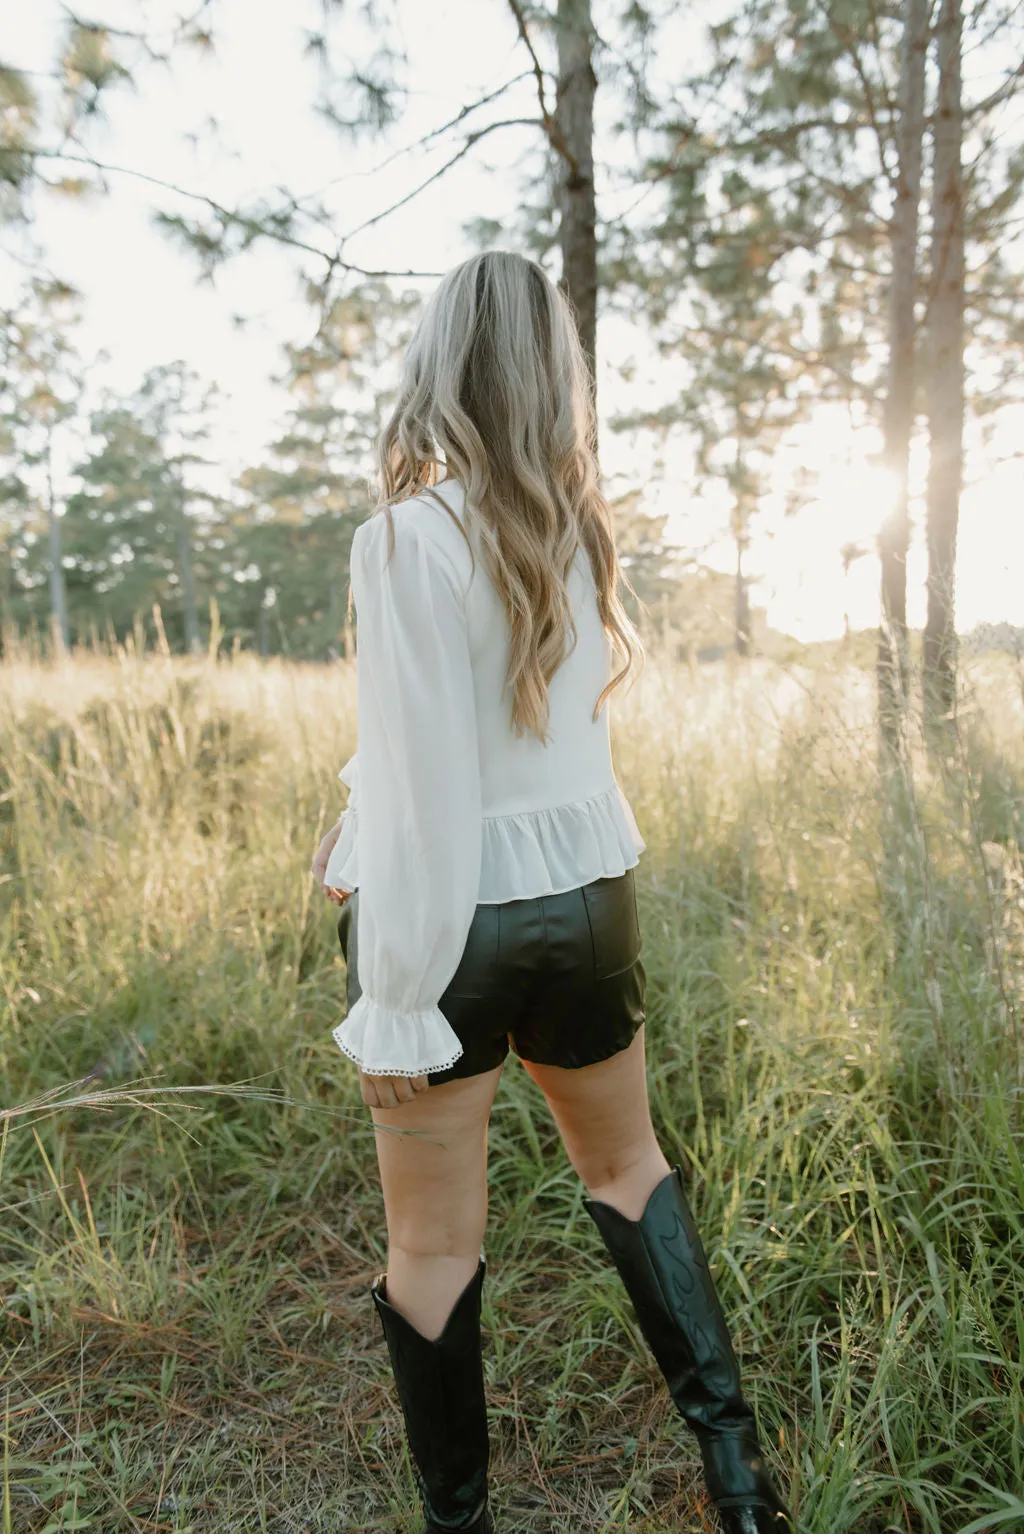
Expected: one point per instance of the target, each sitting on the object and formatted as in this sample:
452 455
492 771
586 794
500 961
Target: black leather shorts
558 978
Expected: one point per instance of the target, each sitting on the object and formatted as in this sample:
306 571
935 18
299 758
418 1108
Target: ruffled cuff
384 1042
349 774
341 872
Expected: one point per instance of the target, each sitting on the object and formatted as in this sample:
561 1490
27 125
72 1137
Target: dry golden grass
835 975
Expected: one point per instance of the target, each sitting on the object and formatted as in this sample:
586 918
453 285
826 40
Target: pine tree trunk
740 532
574 120
263 630
742 598
333 619
58 590
894 537
945 372
189 611
6 591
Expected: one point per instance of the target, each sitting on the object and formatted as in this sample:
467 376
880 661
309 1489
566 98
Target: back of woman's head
495 392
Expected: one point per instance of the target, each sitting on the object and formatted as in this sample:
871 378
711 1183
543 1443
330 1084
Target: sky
144 303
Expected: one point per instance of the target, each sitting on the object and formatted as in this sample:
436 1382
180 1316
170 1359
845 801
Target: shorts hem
576 1064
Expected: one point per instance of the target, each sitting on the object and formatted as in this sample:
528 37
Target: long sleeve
342 861
419 814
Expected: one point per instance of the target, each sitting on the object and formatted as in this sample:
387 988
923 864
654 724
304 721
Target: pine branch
998 96
471 141
555 136
130 34
781 139
1007 19
842 35
250 225
453 122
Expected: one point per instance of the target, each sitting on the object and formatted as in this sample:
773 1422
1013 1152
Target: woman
489 854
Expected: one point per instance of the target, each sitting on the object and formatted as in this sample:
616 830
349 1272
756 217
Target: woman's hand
390 1091
319 866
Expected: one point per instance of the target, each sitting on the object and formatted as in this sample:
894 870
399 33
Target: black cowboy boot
441 1387
662 1264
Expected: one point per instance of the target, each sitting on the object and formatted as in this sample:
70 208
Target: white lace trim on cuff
385 1042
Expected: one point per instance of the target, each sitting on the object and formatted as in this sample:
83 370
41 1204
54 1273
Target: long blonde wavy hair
495 392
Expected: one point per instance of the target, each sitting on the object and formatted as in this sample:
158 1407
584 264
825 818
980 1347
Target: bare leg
435 1195
602 1114
604 1119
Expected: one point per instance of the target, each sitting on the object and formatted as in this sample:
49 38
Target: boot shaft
441 1390
661 1260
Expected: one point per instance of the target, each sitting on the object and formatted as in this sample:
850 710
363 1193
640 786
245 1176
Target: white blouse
448 808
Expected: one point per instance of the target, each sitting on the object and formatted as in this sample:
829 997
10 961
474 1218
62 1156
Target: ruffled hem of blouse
384 1042
546 852
540 852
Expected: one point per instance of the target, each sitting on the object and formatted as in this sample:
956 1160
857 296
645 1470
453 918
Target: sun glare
855 500
820 563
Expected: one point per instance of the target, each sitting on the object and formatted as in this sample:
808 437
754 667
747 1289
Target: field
190 1208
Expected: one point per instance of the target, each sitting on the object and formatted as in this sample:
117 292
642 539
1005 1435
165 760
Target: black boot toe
755 1518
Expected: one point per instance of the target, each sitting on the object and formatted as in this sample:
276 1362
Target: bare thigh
604 1119
434 1180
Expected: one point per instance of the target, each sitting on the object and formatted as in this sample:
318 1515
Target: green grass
835 977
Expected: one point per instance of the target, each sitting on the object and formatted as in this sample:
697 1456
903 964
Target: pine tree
573 132
142 531
293 532
900 392
41 390
945 372
808 105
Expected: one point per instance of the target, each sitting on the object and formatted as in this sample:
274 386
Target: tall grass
190 1208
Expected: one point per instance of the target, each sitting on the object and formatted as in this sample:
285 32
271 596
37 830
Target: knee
424 1234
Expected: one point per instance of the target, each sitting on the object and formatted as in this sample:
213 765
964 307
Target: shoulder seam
435 544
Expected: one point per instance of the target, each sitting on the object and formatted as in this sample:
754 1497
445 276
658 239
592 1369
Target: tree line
827 196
